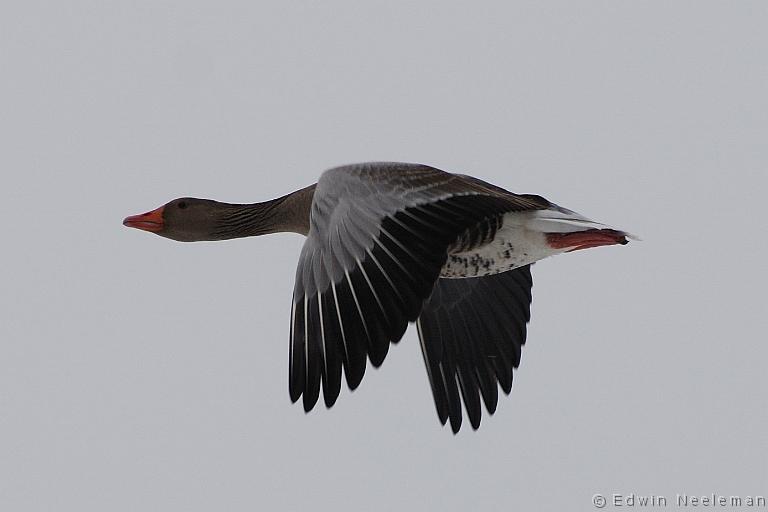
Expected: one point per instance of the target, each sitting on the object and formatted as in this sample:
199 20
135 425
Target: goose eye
182 205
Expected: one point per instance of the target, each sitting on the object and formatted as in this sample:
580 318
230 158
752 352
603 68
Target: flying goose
393 243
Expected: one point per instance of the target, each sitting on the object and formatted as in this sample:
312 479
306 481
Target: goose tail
566 230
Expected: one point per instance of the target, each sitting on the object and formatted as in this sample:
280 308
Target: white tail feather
557 219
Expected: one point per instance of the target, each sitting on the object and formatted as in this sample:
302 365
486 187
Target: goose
388 244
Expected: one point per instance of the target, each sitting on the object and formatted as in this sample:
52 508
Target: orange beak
150 221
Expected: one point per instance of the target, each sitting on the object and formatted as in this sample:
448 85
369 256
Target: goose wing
379 235
471 332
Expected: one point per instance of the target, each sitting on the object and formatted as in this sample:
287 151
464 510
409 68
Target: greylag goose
393 243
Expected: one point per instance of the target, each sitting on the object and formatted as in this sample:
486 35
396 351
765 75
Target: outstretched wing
379 235
471 332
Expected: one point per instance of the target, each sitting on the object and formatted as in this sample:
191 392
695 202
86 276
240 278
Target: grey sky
141 374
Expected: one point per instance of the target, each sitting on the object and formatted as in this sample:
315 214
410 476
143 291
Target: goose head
186 219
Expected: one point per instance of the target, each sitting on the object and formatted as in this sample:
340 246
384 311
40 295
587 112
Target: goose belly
513 246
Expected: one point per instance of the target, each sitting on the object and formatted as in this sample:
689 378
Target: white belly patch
514 245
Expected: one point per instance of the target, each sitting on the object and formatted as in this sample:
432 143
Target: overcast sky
137 373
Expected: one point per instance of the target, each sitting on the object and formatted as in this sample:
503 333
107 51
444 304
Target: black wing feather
356 317
473 329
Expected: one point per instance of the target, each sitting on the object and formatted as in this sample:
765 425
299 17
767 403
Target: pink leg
585 239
